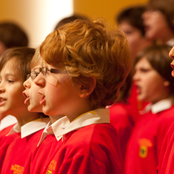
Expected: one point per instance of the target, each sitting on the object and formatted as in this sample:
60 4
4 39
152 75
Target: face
150 84
11 87
171 55
135 38
59 95
155 25
32 97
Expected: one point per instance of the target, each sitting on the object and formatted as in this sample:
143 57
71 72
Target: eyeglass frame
44 71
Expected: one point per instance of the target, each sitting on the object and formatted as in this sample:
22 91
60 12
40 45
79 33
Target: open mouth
2 101
138 89
172 66
42 100
26 101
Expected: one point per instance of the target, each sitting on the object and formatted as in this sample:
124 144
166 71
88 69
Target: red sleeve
82 164
165 158
123 123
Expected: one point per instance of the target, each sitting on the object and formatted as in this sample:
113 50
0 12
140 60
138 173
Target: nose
171 53
40 80
145 15
27 83
2 89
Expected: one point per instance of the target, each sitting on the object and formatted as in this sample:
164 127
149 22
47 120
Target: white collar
30 127
88 118
54 128
7 121
159 106
33 126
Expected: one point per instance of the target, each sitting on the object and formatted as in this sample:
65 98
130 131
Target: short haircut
36 60
158 57
166 7
90 50
132 15
12 35
22 55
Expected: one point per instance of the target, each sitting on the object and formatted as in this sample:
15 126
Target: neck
55 118
27 117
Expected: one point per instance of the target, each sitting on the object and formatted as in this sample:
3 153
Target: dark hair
132 15
125 90
166 7
158 57
12 35
22 55
69 19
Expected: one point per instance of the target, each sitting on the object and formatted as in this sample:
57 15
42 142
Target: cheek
62 79
147 83
34 93
134 40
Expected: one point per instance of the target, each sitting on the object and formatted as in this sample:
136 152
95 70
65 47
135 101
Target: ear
166 83
87 89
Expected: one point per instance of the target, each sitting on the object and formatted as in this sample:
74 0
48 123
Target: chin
33 109
46 111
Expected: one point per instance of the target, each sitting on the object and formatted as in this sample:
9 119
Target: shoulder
94 135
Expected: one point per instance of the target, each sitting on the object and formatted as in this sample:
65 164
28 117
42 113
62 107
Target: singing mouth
26 98
2 101
138 89
172 66
42 100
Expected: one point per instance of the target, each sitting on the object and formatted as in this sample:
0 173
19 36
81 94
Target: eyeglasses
47 74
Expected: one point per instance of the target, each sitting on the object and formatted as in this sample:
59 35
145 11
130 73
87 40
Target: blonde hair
90 50
36 60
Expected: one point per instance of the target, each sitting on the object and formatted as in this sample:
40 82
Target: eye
145 70
10 81
36 73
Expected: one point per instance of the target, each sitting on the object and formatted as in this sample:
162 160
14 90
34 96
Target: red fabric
166 158
122 121
6 130
44 153
4 144
18 154
144 145
92 149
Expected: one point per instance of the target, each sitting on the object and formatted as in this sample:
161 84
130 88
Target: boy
14 67
47 138
84 66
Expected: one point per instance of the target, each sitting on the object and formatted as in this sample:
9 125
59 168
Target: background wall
103 8
37 17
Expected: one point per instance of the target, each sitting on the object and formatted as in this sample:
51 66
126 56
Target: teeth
1 100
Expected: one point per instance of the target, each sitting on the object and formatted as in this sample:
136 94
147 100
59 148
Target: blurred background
39 17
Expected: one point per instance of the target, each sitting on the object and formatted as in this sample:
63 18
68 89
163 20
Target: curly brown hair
90 50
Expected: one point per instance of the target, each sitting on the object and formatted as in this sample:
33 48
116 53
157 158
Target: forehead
10 64
10 68
143 62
